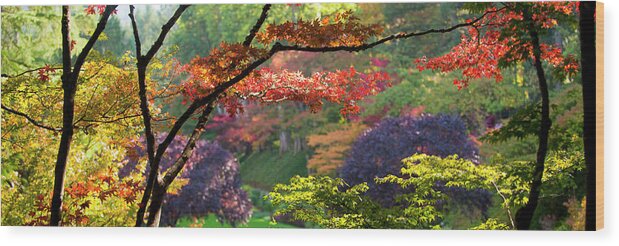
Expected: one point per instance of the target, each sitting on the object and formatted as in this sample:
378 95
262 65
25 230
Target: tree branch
164 31
256 28
4 75
136 35
279 47
509 212
142 64
31 120
210 99
93 39
385 39
178 165
112 120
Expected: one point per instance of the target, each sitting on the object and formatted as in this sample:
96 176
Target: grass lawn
258 220
265 169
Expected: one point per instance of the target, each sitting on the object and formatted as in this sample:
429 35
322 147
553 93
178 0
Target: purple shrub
379 151
214 183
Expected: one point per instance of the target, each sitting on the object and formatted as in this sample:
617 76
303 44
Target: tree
105 114
379 151
210 183
512 34
142 64
333 203
588 63
232 74
70 76
233 66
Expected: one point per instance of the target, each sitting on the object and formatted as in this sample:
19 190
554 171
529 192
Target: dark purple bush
379 151
214 183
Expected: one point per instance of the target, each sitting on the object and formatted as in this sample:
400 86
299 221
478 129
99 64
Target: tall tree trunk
68 109
69 78
525 214
156 201
588 66
150 142
142 65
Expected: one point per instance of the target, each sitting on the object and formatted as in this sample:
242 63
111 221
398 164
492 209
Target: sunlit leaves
331 203
499 39
345 87
222 64
87 201
341 29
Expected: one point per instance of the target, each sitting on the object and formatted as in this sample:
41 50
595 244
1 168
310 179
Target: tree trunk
156 201
150 143
160 187
283 142
525 214
588 66
142 64
69 88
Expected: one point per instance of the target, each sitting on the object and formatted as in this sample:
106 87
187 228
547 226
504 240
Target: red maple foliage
266 85
45 71
497 39
100 186
341 29
97 9
344 87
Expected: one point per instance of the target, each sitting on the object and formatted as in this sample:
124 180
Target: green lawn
265 169
258 220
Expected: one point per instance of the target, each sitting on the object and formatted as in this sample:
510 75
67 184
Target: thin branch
136 35
33 121
112 120
4 75
164 31
178 165
93 39
362 47
256 28
509 212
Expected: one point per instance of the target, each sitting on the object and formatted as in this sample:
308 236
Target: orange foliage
342 29
331 148
81 194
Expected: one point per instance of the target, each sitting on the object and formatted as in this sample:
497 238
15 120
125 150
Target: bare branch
164 31
93 39
178 165
509 212
31 120
256 28
142 64
112 120
4 75
136 35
